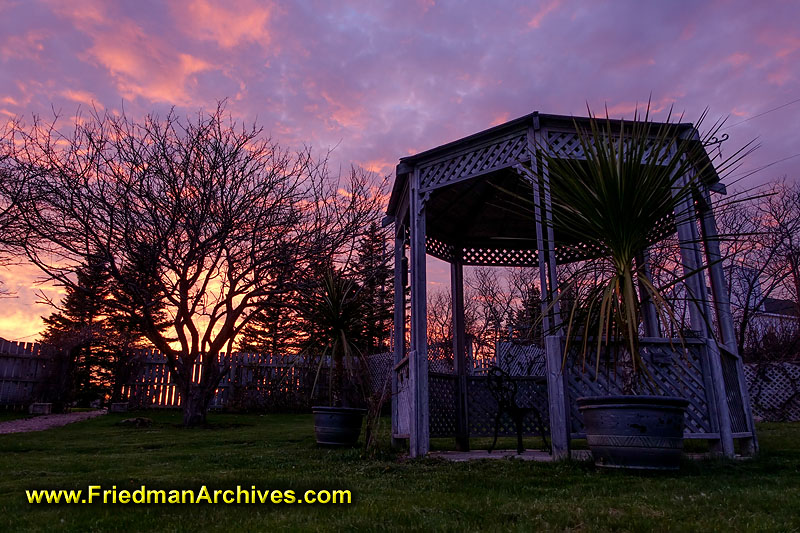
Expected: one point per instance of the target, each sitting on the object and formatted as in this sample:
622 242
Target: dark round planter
337 426
639 432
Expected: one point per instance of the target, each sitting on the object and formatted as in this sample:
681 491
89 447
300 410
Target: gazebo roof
472 188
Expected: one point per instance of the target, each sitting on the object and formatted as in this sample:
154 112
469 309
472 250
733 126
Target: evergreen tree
527 319
127 313
275 329
81 328
374 275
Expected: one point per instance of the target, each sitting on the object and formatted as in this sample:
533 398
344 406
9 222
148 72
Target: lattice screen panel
521 359
379 366
500 257
730 375
439 249
676 374
571 253
568 144
774 391
582 251
442 404
495 155
482 407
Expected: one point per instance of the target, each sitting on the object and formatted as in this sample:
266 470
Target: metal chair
504 390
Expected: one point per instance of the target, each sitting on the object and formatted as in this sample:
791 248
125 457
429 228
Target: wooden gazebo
452 202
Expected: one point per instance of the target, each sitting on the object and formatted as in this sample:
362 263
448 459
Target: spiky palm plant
335 311
634 176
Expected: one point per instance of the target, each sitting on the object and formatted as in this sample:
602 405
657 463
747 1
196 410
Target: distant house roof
779 306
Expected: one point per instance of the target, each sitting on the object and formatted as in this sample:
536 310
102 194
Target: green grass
389 493
6 416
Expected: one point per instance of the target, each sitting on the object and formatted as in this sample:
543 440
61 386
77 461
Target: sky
376 81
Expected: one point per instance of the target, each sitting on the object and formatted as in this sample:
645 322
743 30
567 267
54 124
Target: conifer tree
81 328
372 272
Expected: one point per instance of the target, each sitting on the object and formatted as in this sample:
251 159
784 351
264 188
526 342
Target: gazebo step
527 455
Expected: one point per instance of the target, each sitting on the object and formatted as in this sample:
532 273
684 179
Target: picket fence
253 381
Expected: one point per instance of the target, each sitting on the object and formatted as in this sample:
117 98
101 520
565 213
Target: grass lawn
389 493
6 416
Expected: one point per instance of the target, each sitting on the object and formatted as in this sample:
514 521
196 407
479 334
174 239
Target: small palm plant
634 176
335 311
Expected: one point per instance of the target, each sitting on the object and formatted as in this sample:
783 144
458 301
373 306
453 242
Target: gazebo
456 203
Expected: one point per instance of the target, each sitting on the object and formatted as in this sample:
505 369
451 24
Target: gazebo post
400 274
556 376
722 308
649 314
556 379
459 352
698 308
418 357
693 282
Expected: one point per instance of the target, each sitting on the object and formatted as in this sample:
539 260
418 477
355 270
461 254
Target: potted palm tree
633 177
335 311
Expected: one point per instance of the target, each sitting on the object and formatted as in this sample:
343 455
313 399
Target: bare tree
221 214
10 188
761 245
781 210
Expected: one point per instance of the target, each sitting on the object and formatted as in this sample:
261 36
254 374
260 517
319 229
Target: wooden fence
253 381
31 372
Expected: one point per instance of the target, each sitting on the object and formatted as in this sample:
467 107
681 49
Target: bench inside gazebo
460 202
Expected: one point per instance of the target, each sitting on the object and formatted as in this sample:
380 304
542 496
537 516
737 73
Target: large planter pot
337 426
639 432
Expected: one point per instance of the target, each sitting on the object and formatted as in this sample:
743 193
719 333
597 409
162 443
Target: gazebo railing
482 406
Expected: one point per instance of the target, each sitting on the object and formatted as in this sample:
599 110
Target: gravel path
40 423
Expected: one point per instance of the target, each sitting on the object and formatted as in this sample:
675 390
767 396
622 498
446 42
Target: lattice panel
565 143
482 407
664 228
730 375
442 404
676 374
569 254
439 249
568 144
774 391
496 155
440 357
579 252
379 367
500 257
521 359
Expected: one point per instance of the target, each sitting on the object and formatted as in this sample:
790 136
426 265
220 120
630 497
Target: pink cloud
544 10
225 24
82 97
738 59
140 64
28 46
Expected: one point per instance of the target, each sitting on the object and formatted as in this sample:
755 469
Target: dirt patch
40 423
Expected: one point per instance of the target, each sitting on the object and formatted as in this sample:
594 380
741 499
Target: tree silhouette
226 216
81 328
373 273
